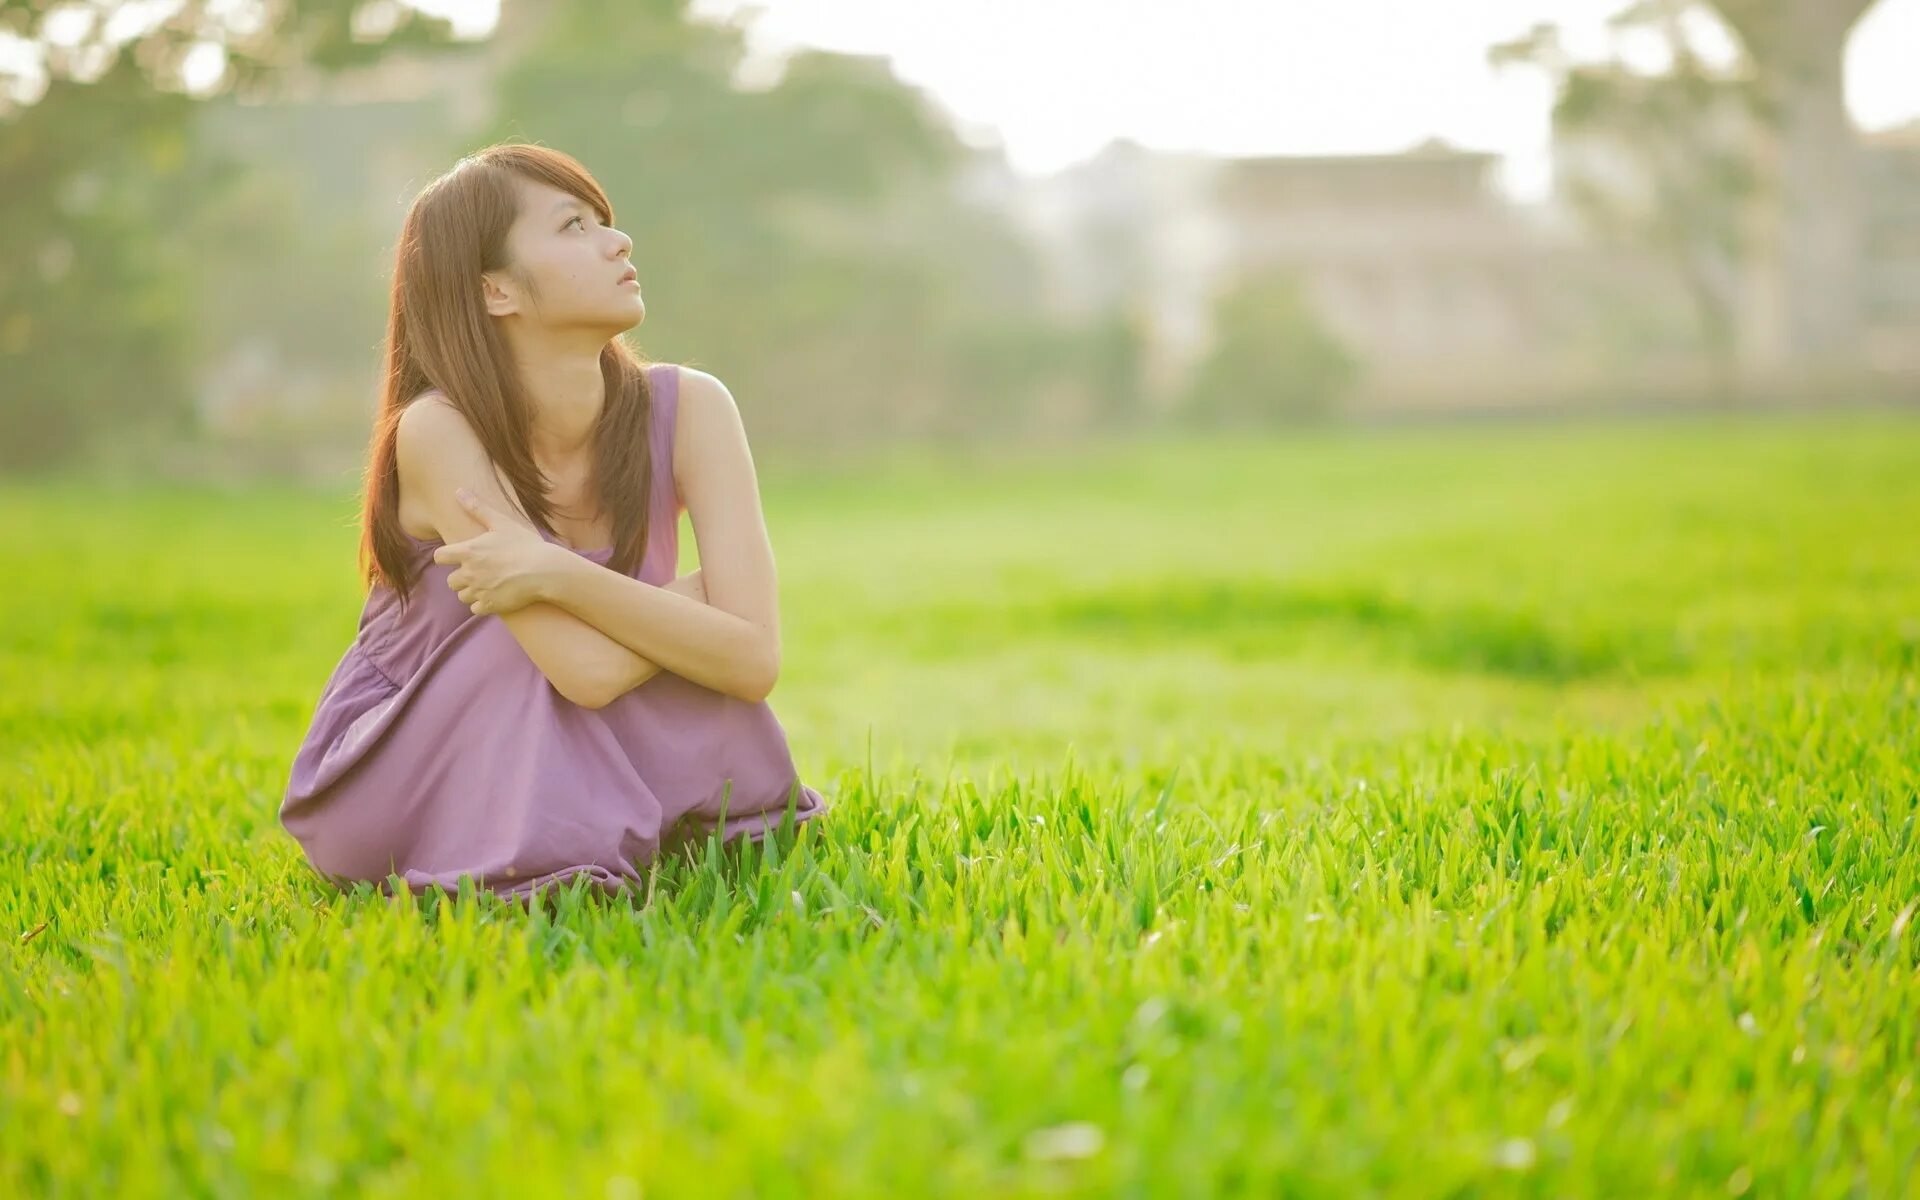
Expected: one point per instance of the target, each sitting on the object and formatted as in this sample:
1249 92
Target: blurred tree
1665 163
1273 361
1803 255
1798 48
91 337
98 326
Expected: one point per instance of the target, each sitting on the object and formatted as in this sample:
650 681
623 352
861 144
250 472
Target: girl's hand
502 569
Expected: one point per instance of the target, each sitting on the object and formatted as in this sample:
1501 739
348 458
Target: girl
531 694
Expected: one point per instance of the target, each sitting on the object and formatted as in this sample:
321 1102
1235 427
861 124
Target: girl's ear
498 300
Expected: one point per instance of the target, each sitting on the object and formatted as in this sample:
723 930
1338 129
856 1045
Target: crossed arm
595 633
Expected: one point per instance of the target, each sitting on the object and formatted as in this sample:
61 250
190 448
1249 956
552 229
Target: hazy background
890 224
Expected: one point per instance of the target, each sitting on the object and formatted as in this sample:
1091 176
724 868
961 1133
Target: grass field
1522 811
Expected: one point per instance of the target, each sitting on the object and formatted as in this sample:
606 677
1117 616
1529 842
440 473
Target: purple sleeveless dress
438 749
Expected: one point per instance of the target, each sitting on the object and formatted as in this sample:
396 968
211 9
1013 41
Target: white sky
1054 80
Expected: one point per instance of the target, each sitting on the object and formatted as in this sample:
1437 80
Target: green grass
1523 811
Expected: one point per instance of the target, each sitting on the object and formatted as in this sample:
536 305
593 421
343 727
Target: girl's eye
570 222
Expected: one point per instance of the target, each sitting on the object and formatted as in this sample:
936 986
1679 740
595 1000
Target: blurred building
1416 261
1449 292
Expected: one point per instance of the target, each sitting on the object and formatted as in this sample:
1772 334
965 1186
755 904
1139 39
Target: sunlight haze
1057 79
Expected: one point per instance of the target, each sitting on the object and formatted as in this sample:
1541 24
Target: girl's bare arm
691 585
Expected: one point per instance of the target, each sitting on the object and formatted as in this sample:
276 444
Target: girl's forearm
691 585
681 632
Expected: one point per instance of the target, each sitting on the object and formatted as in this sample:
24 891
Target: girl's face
569 271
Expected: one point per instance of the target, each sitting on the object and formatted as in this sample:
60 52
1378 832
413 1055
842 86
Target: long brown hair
440 336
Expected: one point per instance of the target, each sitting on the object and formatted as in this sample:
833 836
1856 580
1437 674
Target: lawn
1522 810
